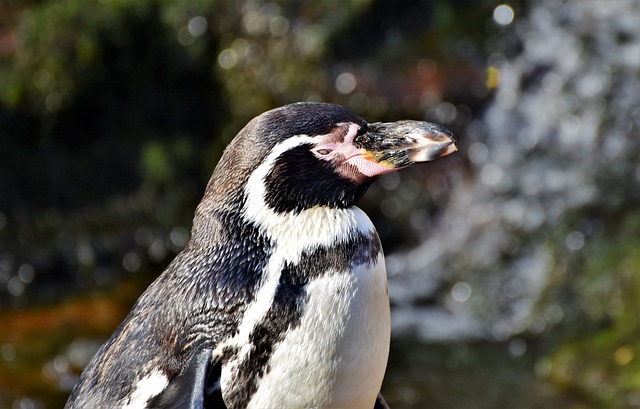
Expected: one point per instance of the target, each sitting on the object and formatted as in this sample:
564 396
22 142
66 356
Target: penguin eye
323 152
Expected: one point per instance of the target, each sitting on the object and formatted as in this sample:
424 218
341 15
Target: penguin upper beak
396 145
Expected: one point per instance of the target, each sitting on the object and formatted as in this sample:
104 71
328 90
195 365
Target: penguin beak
396 145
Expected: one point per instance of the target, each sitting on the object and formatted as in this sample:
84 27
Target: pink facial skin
350 160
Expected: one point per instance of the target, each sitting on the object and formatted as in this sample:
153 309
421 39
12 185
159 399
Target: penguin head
304 155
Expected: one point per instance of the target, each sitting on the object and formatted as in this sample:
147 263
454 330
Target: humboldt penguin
279 299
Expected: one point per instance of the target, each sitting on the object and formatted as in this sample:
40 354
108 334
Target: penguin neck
310 228
292 232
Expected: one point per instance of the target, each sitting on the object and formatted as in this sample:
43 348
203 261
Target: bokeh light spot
26 273
517 347
227 59
623 355
461 291
15 286
179 236
197 26
8 352
184 37
491 174
53 102
478 152
493 77
279 26
574 240
346 83
503 15
131 262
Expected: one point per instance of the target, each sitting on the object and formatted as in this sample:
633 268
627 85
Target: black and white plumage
280 299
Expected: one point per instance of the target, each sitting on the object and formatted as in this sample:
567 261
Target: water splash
560 137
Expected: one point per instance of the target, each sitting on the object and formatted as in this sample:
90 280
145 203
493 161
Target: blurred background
514 264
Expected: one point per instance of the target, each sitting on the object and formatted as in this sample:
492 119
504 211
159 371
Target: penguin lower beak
395 145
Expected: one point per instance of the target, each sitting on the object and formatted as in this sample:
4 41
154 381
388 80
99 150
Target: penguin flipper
197 386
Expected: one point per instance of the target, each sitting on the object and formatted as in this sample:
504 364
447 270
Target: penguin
280 298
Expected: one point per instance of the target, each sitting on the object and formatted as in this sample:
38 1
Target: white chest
337 355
